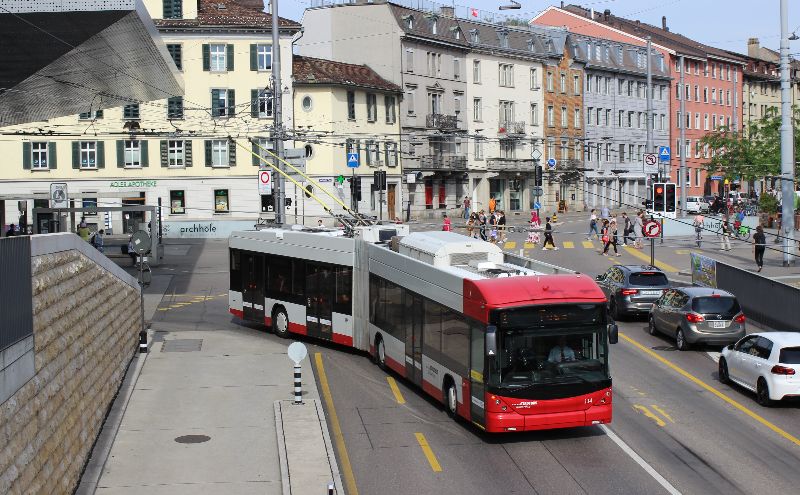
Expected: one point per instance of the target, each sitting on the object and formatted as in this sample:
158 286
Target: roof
445 25
533 41
228 13
309 70
782 339
534 290
704 291
627 63
639 268
678 42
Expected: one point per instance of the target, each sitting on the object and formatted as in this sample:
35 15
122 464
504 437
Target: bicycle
742 233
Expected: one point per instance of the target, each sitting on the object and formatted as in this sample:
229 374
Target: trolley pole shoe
298 388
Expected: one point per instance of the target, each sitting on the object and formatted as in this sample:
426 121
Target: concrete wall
86 324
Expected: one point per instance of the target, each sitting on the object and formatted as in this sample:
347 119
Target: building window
697 121
131 112
576 84
549 81
630 119
577 119
389 105
564 151
372 107
620 87
434 63
221 201
563 83
391 154
713 96
173 9
39 156
456 69
177 202
476 71
705 94
564 118
507 148
409 60
696 92
478 149
620 118
132 153
263 57
589 116
534 114
222 104
550 116
551 149
88 154
263 104
506 75
477 110
534 79
434 103
306 103
175 50
475 36
688 120
219 153
175 108
351 105
94 115
176 154
409 101
373 153
217 53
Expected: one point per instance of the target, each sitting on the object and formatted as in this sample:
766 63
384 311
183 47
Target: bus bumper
596 413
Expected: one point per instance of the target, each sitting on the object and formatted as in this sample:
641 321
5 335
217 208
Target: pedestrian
593 225
698 228
492 204
611 237
131 252
725 236
604 213
638 230
492 227
482 225
319 223
12 231
501 225
83 230
548 235
98 242
759 246
446 226
471 225
627 229
467 204
535 222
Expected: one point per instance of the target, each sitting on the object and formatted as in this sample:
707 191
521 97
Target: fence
768 302
15 290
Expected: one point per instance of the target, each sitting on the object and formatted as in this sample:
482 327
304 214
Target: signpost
353 163
141 242
651 230
264 182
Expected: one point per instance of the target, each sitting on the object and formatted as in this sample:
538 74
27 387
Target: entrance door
253 287
390 195
320 288
476 374
132 219
414 319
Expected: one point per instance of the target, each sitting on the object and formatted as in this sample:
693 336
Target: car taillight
629 292
694 318
782 370
740 318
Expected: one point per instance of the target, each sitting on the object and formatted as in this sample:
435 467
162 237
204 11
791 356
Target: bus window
280 278
298 288
344 290
236 270
432 329
374 307
455 340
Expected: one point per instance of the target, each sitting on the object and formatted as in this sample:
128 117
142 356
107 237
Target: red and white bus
505 342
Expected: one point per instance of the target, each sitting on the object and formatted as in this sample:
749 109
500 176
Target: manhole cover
193 439
182 345
663 348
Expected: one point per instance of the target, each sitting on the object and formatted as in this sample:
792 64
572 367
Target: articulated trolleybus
506 342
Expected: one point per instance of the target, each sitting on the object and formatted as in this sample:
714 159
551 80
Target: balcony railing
511 128
441 121
510 164
443 162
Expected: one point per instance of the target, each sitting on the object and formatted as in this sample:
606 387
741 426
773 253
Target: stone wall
86 320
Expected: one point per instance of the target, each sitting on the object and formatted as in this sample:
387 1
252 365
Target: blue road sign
716 177
551 163
537 206
352 160
663 153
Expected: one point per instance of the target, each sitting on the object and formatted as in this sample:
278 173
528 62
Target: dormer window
433 21
550 47
531 45
475 36
503 36
456 32
409 21
619 54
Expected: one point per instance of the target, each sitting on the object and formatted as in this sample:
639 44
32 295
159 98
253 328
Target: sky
725 24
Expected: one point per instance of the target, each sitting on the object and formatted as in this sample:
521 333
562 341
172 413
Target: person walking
627 229
548 235
759 246
83 230
482 225
611 237
725 236
501 225
446 224
492 227
593 225
471 225
698 228
12 231
467 204
604 213
492 204
638 230
97 240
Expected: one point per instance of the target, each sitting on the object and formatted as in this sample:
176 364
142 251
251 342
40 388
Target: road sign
58 195
537 205
716 177
140 242
652 228
297 352
352 160
551 163
293 153
650 158
537 191
264 182
536 154
663 153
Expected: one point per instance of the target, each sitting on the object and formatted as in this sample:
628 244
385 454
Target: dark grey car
698 315
632 289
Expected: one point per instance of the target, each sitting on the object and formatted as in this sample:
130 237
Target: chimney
753 47
447 11
252 4
591 14
606 14
664 23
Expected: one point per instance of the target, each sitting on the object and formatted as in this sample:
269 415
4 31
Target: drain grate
193 439
182 345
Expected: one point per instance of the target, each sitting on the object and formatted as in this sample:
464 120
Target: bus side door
414 317
477 366
320 289
253 286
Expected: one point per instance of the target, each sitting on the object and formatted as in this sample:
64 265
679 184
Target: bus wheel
380 354
280 323
451 399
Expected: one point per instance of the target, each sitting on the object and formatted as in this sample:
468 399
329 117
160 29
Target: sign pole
652 251
353 201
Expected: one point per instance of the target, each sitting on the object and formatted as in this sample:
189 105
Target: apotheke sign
133 183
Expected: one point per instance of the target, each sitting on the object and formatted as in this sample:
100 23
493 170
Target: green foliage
768 203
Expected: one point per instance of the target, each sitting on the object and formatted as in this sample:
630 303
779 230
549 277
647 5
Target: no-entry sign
652 228
264 182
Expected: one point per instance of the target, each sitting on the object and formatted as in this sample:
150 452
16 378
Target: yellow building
342 108
190 153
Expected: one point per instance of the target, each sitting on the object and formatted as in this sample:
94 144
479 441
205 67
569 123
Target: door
758 360
253 287
740 359
320 289
414 319
477 374
390 195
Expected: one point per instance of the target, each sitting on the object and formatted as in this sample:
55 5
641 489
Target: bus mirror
491 340
613 333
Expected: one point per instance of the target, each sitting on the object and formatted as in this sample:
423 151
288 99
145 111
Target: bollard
298 388
142 342
330 489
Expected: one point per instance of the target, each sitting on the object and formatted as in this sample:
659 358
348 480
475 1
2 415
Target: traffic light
380 180
669 198
355 187
659 193
538 175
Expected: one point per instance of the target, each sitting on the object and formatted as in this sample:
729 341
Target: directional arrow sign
650 158
352 160
652 228
551 163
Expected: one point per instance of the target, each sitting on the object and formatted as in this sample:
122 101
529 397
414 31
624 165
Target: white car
767 363
696 204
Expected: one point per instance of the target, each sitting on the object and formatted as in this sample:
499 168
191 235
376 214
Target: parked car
766 363
632 289
696 204
697 315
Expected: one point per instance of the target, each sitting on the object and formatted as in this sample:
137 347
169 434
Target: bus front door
253 287
477 368
320 288
414 319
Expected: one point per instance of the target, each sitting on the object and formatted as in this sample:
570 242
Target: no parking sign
264 182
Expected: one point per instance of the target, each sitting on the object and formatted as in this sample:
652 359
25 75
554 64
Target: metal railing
443 162
441 121
512 164
511 128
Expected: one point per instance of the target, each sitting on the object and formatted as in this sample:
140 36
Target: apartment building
615 106
188 153
339 109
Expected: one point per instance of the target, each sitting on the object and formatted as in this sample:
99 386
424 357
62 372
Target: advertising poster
704 271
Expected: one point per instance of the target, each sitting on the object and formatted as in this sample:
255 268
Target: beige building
188 153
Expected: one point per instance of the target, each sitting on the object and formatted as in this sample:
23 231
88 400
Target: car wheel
723 371
380 354
651 326
451 399
280 323
614 310
762 393
680 341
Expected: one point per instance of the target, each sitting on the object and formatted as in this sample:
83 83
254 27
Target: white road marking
641 462
714 356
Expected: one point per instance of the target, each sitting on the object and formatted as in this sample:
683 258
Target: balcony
443 162
510 164
511 128
441 122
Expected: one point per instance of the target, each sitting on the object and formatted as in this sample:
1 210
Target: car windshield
725 306
551 345
648 279
790 355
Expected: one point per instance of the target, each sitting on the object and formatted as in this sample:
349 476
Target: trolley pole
277 97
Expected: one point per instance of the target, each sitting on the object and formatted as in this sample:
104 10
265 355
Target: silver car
697 315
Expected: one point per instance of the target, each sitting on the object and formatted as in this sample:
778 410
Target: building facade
189 153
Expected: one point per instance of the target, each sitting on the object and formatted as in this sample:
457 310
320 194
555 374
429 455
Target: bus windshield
550 345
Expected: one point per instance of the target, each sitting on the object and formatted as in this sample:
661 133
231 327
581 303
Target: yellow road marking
529 245
644 410
709 388
338 437
164 309
511 244
426 449
398 396
588 244
662 412
682 251
646 258
569 245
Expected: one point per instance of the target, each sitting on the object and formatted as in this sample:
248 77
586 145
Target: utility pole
649 148
787 145
277 131
682 145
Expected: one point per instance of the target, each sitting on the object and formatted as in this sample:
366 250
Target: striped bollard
330 489
298 385
297 352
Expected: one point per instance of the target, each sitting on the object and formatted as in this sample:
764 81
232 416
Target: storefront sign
704 271
205 229
133 183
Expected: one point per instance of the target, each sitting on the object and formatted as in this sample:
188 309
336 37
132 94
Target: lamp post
787 144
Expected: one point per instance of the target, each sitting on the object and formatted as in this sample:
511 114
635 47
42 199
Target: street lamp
514 6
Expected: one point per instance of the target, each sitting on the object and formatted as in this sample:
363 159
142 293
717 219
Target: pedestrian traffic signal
340 179
669 199
355 187
659 192
537 173
380 180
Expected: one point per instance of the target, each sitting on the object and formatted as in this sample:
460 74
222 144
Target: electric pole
787 145
682 125
649 148
277 130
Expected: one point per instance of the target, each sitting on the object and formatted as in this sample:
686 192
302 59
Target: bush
768 203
